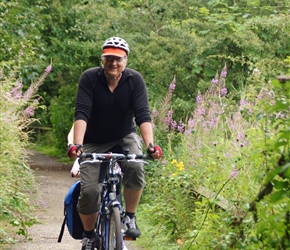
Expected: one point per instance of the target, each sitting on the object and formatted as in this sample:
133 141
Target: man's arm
146 131
70 136
80 127
76 137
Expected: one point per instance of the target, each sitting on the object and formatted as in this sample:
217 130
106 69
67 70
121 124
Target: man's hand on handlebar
74 150
154 151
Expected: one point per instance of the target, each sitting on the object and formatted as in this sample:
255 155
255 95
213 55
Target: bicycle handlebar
116 156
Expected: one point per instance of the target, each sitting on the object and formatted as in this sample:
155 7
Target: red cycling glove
73 148
156 148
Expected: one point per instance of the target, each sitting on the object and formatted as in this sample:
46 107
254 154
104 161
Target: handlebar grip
144 157
83 155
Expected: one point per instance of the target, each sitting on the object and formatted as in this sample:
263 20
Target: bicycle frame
108 225
109 200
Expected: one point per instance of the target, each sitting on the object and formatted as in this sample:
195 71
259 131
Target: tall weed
202 195
17 183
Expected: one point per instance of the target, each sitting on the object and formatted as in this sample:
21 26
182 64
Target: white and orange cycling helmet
116 42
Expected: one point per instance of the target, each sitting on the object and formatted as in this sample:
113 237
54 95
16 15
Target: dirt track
54 180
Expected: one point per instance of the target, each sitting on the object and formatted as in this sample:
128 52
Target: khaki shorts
92 175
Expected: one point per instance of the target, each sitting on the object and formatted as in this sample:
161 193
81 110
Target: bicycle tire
115 233
101 232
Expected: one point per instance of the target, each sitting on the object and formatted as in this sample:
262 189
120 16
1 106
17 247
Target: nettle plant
17 183
230 154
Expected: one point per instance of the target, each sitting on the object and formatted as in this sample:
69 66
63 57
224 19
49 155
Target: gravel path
54 180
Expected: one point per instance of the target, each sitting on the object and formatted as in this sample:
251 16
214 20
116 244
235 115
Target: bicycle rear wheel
115 233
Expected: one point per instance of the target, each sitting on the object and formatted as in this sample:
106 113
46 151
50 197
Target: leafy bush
226 184
17 183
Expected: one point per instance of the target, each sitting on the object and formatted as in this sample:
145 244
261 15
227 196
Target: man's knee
89 200
134 177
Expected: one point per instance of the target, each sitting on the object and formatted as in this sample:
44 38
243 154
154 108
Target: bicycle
110 216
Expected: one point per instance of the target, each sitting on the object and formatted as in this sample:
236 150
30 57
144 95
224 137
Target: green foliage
189 39
186 41
17 183
62 119
226 185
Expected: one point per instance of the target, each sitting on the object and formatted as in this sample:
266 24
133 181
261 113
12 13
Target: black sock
131 215
90 234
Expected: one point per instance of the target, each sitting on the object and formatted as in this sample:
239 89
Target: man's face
114 65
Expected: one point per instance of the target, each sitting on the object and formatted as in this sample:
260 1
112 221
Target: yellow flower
174 162
180 166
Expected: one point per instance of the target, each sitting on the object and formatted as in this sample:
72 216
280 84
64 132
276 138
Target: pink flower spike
48 68
223 91
29 111
234 173
215 81
199 99
154 112
172 86
224 72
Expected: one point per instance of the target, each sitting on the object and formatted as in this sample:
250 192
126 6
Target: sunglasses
114 58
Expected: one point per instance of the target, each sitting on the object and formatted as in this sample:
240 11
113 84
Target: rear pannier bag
71 215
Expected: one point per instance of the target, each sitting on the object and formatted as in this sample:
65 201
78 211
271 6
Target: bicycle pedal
128 238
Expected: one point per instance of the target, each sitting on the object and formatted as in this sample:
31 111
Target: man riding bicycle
111 101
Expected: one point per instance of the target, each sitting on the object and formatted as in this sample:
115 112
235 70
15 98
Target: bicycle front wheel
115 233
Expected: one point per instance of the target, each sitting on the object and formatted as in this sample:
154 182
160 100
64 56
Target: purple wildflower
215 81
243 102
29 93
154 112
172 87
199 99
29 111
48 68
224 91
190 123
180 127
202 111
224 72
188 131
166 120
16 92
170 113
173 124
280 115
235 173
240 136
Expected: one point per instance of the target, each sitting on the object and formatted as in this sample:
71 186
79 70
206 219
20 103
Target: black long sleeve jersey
111 116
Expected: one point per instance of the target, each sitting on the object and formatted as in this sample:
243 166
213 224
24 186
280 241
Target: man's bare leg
89 221
132 198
